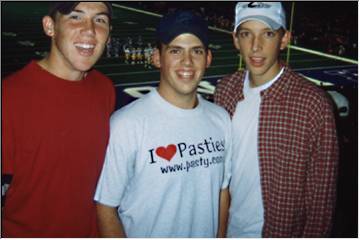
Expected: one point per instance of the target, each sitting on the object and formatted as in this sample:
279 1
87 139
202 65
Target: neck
178 100
257 80
60 70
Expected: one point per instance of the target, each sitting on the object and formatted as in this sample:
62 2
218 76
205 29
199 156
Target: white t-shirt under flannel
246 214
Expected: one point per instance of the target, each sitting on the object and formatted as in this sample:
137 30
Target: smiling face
260 47
78 39
182 65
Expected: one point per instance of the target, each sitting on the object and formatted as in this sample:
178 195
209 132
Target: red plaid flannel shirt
298 153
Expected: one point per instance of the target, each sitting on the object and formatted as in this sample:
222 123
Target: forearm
223 212
109 222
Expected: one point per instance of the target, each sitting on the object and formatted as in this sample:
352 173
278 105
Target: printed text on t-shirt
200 151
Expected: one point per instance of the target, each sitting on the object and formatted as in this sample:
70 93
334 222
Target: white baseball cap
270 13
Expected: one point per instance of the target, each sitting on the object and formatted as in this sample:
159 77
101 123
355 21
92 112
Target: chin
188 92
84 67
257 70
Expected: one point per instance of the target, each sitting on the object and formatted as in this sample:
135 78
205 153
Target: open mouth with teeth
257 61
85 49
186 74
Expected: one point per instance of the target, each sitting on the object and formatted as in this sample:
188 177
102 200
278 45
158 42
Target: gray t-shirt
165 167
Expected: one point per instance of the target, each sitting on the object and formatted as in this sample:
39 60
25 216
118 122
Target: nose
256 44
89 28
187 58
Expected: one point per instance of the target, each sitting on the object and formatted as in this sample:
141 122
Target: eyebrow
177 46
97 14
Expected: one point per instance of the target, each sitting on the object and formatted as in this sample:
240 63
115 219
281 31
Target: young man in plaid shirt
285 157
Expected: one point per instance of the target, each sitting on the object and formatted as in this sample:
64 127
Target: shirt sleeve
7 143
322 173
219 93
119 161
228 153
7 133
112 98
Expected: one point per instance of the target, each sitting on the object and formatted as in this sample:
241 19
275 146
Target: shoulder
21 73
229 81
307 92
228 89
132 113
217 118
305 87
19 79
213 110
227 85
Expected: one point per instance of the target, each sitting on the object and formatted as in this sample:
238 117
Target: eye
199 51
102 19
269 34
244 34
174 50
75 17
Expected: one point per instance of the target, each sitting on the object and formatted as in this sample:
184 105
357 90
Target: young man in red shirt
55 127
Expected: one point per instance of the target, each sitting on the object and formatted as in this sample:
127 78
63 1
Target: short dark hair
67 7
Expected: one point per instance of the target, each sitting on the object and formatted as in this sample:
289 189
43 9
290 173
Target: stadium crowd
329 28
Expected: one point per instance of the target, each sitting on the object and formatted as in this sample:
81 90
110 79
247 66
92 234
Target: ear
156 58
109 37
285 40
208 58
48 26
236 41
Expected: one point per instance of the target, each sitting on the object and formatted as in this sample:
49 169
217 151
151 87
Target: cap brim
267 21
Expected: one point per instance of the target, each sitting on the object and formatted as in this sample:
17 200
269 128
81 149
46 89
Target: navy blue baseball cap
179 22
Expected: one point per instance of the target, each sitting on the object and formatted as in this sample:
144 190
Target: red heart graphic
166 153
